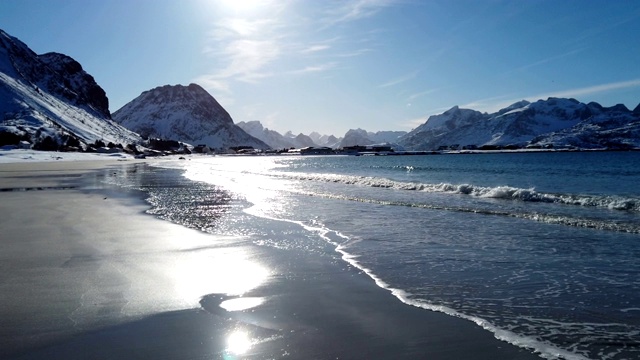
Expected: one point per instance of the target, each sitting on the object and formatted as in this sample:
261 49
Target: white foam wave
544 349
498 192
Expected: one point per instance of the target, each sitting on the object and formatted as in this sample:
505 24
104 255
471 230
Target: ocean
542 249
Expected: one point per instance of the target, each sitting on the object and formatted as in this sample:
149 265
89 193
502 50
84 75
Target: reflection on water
263 194
242 303
238 342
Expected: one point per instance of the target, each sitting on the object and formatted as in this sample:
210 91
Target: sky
334 65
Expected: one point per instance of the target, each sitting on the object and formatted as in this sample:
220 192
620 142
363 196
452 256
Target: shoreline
114 282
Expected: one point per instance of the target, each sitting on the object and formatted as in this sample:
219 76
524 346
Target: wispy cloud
420 94
315 48
241 50
252 48
358 9
354 53
547 60
399 80
314 68
596 89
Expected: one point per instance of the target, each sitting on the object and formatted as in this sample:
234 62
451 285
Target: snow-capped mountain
271 137
551 122
288 140
184 113
329 141
355 137
606 128
301 140
50 98
362 137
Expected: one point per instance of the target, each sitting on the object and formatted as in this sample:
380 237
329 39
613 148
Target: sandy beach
86 274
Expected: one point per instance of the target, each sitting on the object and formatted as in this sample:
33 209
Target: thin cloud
399 80
594 89
315 48
354 53
246 58
547 60
245 49
358 9
242 49
314 68
420 94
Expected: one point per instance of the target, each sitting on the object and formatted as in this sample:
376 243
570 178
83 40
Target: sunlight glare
218 271
238 342
242 5
242 303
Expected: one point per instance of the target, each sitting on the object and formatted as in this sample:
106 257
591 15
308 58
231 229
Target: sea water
542 249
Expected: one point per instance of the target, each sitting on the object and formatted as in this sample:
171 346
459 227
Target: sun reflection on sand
219 271
238 342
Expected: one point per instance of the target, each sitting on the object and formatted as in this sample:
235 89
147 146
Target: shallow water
539 248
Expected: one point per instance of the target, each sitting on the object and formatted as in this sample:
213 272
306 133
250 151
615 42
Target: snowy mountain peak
515 106
555 121
184 113
50 97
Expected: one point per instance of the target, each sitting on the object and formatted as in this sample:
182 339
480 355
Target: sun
242 6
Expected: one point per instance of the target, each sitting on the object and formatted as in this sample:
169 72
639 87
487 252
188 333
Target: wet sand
86 274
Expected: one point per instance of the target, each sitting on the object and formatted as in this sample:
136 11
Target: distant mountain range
51 102
555 122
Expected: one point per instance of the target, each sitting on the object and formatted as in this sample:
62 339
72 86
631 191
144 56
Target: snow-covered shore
23 155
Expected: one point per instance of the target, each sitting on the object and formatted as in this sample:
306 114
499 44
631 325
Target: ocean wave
598 224
498 192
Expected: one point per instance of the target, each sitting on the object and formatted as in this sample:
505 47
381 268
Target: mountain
386 136
271 137
552 122
301 140
325 140
362 137
184 113
609 128
355 137
50 101
329 140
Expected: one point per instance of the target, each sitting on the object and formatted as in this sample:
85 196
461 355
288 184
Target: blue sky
330 66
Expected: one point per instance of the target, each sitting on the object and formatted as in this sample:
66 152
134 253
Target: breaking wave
498 192
597 224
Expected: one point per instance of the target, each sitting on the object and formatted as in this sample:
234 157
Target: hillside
51 102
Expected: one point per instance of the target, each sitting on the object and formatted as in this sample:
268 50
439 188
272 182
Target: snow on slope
50 95
520 124
184 113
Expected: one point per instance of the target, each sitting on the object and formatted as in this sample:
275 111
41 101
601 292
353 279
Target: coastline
87 274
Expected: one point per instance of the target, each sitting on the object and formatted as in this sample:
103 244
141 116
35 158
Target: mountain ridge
51 102
551 122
